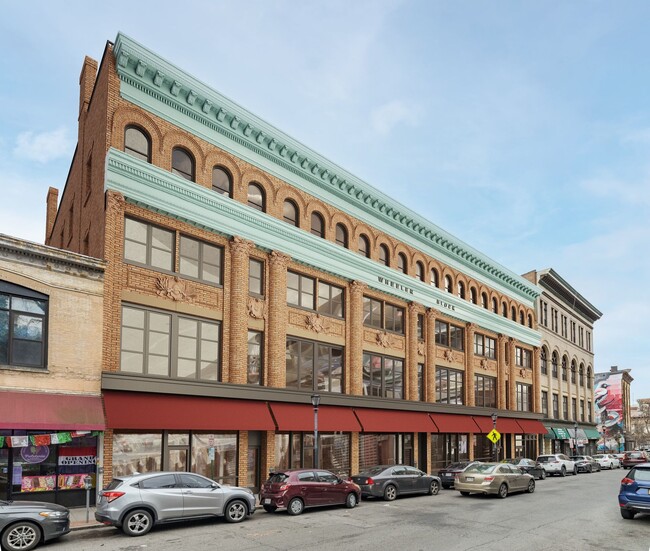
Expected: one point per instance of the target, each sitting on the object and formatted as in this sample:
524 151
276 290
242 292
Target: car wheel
464 494
563 471
590 469
628 515
236 511
503 491
611 466
575 471
296 506
531 487
543 475
137 523
390 493
434 488
21 537
269 508
351 500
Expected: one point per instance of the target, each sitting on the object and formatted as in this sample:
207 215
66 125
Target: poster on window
37 483
77 457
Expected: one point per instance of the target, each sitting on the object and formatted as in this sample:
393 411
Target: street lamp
494 427
575 436
315 401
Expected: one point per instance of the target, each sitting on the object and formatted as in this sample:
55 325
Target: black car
448 474
390 481
24 524
585 463
529 466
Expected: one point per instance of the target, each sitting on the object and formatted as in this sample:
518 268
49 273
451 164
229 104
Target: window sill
24 368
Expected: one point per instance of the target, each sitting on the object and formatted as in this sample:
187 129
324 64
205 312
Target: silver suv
135 503
557 463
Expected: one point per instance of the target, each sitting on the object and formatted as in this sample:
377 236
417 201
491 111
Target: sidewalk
78 519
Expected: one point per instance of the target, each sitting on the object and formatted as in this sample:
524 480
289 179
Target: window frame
216 188
383 389
258 207
315 371
134 152
181 173
261 279
448 372
317 216
316 295
150 227
201 260
389 321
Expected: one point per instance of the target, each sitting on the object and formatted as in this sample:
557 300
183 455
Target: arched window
581 375
504 309
530 321
256 197
290 212
495 306
484 300
543 361
461 289
137 143
364 246
401 263
472 295
317 224
589 380
419 270
564 368
384 257
521 318
554 361
513 313
573 371
434 277
448 284
182 164
341 235
221 181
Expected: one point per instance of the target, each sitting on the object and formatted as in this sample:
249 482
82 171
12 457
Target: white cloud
389 115
44 147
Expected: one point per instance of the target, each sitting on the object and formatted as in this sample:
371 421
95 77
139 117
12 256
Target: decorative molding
432 313
316 323
239 245
257 308
421 348
449 356
116 203
384 340
281 260
174 288
358 287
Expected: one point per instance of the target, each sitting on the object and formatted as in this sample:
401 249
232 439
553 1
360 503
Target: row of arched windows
564 373
138 144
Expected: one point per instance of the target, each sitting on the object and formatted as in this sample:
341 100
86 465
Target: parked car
586 463
557 463
634 495
634 458
616 461
24 524
390 481
607 461
137 503
296 489
528 466
448 474
494 478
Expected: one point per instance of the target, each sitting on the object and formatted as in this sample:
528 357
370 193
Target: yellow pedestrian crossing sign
494 436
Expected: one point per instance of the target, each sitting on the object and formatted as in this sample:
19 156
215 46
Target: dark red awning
448 422
531 426
139 410
505 425
300 418
42 411
383 420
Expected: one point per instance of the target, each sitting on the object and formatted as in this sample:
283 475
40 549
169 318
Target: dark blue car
634 495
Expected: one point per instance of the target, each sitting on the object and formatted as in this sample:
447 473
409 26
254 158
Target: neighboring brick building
246 273
51 416
566 321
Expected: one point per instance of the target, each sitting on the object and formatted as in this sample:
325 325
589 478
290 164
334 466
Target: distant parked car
607 461
24 524
634 458
614 459
528 466
585 463
136 503
557 463
634 494
296 489
391 481
494 478
448 474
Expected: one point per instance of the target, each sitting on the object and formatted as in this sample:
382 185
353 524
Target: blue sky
523 128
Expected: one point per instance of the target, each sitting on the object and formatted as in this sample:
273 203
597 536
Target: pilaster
470 394
430 363
277 326
355 343
537 377
235 372
512 375
411 375
501 371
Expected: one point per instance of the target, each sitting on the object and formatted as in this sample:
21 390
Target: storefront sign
395 285
35 454
77 456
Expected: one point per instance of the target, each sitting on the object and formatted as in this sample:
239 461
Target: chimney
613 369
86 83
50 217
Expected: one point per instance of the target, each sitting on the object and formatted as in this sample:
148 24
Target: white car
557 463
607 461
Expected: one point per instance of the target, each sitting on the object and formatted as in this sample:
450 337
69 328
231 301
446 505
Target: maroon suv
295 489
634 458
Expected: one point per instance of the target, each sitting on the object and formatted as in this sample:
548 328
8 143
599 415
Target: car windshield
511 461
599 456
278 478
545 458
634 455
642 475
454 466
481 468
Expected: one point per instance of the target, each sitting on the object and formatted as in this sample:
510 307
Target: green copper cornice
164 192
161 88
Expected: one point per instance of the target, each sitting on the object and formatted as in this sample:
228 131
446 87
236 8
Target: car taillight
112 496
369 481
627 481
488 478
284 487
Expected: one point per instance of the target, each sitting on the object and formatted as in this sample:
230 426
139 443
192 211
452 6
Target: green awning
561 433
592 434
550 434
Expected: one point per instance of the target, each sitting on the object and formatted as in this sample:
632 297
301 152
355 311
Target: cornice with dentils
161 87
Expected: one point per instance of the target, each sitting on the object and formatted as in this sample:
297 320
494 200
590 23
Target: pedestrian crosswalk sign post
494 436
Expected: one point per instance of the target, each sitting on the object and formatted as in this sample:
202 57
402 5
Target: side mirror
214 486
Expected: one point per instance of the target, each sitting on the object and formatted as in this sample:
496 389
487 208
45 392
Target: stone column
277 322
537 377
470 395
430 363
235 371
501 371
411 364
355 342
512 377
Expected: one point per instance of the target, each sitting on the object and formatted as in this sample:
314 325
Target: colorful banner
608 402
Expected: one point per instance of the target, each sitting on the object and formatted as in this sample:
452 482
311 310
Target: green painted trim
163 89
164 192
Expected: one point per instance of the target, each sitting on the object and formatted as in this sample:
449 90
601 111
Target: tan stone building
247 274
51 328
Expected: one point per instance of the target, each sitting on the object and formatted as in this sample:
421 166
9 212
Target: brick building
247 273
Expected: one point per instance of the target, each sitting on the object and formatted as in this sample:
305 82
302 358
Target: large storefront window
449 386
296 450
525 445
483 448
383 376
385 449
448 448
136 453
313 366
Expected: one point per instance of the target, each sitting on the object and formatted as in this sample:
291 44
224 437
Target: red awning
300 418
448 422
383 420
531 426
139 410
41 411
505 425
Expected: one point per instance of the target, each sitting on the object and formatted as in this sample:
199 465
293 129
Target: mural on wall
608 402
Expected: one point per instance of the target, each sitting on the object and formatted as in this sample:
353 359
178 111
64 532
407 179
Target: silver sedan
494 478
